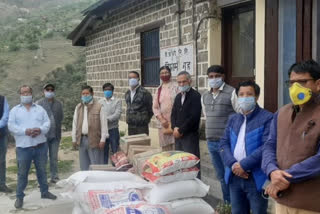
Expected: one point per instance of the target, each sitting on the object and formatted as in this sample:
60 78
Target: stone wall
113 48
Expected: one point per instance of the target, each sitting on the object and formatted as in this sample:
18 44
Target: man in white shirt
29 124
89 129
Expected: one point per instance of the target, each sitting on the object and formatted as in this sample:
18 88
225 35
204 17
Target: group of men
255 153
258 154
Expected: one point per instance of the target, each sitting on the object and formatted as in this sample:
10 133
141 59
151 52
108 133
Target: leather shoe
4 188
49 195
18 204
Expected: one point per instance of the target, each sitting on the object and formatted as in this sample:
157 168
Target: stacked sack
174 174
105 192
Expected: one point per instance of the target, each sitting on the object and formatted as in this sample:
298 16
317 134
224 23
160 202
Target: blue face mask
86 99
215 82
133 82
247 103
184 88
108 94
26 99
49 94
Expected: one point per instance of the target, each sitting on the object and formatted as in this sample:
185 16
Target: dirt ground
68 163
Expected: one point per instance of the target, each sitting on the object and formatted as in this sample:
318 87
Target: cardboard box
102 167
140 139
136 149
140 159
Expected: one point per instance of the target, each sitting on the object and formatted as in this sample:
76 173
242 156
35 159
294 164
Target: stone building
252 39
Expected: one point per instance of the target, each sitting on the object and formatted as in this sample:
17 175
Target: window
150 58
239 43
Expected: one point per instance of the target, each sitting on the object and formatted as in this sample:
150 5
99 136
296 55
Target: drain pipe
179 12
196 41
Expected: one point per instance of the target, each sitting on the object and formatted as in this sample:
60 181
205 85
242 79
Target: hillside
33 41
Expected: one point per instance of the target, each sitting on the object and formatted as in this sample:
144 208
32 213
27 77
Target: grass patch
32 184
223 208
64 166
66 143
12 169
122 133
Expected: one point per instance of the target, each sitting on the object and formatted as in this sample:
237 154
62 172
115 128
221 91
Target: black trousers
189 143
133 130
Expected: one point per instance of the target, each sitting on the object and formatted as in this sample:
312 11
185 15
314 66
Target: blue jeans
25 156
3 152
217 162
53 146
113 142
246 197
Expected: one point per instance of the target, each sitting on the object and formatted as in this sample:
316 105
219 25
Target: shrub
33 46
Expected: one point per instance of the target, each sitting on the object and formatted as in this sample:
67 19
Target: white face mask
215 82
26 99
247 103
133 82
49 94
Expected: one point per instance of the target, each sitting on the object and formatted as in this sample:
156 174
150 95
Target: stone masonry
113 49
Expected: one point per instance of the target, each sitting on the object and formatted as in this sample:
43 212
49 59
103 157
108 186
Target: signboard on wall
178 58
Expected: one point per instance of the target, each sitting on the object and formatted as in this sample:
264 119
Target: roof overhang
92 14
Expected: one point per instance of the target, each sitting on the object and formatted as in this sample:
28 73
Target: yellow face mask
299 95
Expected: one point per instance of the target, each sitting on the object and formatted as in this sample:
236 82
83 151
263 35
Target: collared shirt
183 97
133 92
302 171
240 150
234 99
21 119
5 115
85 125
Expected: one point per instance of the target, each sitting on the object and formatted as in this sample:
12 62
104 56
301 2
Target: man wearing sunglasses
54 110
291 156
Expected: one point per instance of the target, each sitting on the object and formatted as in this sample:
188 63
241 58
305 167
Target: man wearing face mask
54 110
112 109
185 116
241 151
139 106
218 103
89 129
291 156
29 123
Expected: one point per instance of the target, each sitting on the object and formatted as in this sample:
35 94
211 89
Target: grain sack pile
174 174
172 188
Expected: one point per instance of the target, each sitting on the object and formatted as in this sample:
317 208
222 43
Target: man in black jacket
139 106
185 116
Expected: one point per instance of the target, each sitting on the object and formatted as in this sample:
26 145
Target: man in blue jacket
241 150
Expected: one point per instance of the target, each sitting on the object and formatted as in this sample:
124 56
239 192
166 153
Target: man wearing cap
54 110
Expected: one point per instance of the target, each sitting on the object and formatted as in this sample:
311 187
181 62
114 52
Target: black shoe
49 195
4 188
54 180
18 204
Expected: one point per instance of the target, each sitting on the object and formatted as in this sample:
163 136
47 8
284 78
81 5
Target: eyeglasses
301 82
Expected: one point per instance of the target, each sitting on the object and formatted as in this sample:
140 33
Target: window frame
152 58
227 49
